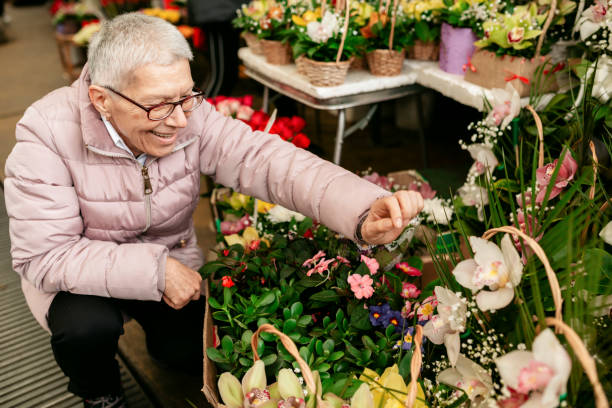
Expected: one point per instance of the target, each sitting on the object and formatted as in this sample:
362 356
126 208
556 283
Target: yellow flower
234 239
263 207
390 390
255 9
297 20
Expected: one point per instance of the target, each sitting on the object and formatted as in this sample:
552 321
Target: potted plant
461 28
387 36
70 17
424 16
274 32
514 50
322 48
247 20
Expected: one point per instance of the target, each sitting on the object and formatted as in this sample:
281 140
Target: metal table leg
339 135
266 98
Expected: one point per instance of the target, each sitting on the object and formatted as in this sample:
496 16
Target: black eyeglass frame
175 104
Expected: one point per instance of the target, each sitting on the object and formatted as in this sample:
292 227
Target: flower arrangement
595 26
469 14
425 16
289 129
68 18
170 15
377 31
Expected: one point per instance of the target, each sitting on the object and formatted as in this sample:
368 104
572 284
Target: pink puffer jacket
82 219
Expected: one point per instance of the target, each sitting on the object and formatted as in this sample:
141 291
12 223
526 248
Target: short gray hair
130 41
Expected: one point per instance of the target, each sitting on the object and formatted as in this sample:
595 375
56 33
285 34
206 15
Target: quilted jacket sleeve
46 229
265 166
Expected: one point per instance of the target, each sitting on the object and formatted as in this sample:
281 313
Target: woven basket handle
538 123
537 249
344 30
551 15
415 367
584 357
394 13
292 349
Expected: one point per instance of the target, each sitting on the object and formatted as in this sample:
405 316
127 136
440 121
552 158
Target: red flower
254 246
301 140
226 252
227 282
247 100
258 119
308 234
297 123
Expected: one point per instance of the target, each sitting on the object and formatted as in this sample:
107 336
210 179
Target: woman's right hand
182 284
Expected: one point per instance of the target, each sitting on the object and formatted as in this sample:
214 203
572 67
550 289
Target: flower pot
276 52
456 48
299 64
385 62
424 51
491 71
253 42
325 73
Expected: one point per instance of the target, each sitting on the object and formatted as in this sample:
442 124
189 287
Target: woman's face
152 85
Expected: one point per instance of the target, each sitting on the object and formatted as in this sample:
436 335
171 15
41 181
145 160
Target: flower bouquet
387 37
425 19
274 32
508 53
461 28
248 20
322 49
595 26
69 18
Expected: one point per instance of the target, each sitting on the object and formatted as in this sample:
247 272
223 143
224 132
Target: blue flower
395 318
378 314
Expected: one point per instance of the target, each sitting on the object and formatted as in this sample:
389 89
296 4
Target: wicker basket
253 42
299 64
359 62
276 52
424 51
325 73
491 71
386 62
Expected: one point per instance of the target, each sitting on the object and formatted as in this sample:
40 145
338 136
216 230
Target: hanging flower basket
276 52
324 73
386 62
424 51
253 42
456 48
491 71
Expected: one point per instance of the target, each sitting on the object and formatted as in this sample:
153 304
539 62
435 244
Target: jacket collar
95 133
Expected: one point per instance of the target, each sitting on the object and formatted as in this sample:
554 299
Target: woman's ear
101 100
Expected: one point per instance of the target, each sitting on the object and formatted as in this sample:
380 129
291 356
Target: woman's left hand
389 216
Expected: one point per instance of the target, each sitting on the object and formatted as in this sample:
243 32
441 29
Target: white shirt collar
120 143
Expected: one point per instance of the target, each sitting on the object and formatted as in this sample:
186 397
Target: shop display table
360 88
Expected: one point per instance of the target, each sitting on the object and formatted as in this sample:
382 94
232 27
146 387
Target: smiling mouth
163 135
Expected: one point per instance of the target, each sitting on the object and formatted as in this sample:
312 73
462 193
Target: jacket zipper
148 190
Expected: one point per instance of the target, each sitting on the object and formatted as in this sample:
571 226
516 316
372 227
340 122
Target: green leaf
246 336
265 300
325 296
245 362
422 30
269 359
220 316
289 326
328 347
304 321
512 186
368 343
296 309
336 355
389 330
227 296
214 304
326 321
227 344
360 319
216 356
339 315
324 367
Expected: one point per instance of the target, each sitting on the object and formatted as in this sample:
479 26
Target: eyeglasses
163 110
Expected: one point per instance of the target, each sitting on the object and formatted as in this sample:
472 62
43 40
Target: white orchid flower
448 323
437 211
473 194
541 373
320 32
484 159
602 84
468 376
506 105
606 233
498 269
281 214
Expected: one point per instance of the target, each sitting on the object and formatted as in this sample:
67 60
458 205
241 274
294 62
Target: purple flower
395 318
378 314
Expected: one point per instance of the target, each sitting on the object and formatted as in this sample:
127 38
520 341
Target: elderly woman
101 188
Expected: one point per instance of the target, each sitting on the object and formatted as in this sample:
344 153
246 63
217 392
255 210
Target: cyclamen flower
361 285
407 269
410 291
564 176
371 263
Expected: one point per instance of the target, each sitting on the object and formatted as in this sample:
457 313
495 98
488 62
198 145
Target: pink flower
321 267
371 263
516 35
244 113
234 227
343 260
361 285
425 310
533 377
407 269
410 291
406 309
519 199
379 180
314 259
564 176
599 11
423 188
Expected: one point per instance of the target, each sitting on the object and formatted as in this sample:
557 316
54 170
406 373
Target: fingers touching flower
371 263
541 374
498 269
361 286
